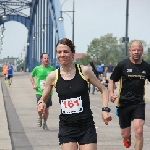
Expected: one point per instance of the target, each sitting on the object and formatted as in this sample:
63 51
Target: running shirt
5 71
10 70
132 81
99 68
41 72
74 99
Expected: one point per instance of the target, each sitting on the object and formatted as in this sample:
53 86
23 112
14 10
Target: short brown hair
67 42
41 56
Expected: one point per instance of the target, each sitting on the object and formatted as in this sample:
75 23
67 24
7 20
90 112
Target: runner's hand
113 97
41 107
34 87
106 117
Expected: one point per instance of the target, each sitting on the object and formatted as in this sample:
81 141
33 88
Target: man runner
41 72
132 73
10 74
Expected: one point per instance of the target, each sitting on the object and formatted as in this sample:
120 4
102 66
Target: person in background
5 71
100 70
10 74
41 72
132 73
110 69
105 82
92 66
105 71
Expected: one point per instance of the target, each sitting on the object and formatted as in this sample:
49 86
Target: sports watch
106 109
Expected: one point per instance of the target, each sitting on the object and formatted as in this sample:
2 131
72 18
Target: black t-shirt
110 68
132 81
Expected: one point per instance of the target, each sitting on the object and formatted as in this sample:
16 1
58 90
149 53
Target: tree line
108 48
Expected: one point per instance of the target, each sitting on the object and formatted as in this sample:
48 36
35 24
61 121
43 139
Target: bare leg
10 80
91 146
126 132
138 129
45 116
69 146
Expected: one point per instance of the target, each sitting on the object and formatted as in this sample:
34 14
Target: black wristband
106 109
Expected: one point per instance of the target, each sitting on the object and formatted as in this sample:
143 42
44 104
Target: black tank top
74 99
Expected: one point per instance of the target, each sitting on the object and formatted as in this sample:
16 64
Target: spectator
110 67
100 69
96 74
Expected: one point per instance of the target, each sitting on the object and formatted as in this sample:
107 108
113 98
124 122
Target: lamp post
126 38
72 20
4 17
126 34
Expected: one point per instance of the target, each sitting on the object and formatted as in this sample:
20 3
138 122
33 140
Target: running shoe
127 142
39 122
10 85
45 127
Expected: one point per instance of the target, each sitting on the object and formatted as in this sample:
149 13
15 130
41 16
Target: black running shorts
48 102
82 135
129 113
10 76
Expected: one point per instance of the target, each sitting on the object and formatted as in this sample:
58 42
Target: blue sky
93 19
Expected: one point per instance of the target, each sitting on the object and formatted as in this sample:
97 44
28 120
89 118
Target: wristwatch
106 109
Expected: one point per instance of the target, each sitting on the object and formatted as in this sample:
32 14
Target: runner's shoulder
52 76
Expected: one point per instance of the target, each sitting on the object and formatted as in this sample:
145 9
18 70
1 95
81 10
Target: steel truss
42 24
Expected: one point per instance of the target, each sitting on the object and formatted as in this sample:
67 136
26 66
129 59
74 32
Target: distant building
79 55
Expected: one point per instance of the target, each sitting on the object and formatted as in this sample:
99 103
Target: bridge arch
44 29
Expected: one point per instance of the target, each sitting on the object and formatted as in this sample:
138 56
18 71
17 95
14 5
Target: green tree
146 55
105 49
84 60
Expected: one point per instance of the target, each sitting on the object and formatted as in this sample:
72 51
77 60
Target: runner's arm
88 73
32 80
115 77
49 83
111 86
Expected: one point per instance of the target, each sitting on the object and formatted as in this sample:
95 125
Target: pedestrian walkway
5 141
20 103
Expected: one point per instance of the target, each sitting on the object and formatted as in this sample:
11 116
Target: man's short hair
137 41
41 56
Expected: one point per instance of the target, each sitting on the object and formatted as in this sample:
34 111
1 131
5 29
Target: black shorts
82 136
10 76
48 102
129 113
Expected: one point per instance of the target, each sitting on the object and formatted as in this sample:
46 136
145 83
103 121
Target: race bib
72 105
42 84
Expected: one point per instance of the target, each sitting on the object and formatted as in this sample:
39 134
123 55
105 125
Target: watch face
106 109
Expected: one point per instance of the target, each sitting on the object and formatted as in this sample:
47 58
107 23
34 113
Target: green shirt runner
41 72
